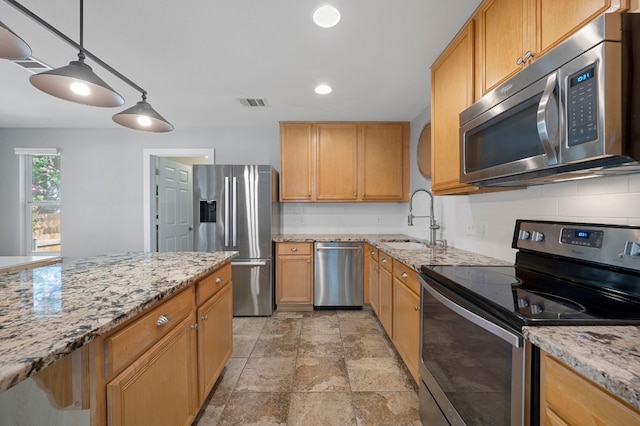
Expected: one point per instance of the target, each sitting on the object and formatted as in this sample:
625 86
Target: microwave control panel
582 106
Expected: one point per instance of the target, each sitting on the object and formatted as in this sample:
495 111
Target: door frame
148 184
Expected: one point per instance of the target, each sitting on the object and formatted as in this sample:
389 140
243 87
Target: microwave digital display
582 77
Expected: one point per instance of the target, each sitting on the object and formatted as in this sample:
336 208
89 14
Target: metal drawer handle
205 317
404 275
218 279
294 248
162 320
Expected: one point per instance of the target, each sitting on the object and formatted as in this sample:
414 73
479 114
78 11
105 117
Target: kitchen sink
406 245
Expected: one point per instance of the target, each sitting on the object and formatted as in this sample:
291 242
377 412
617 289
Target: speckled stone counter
610 356
48 312
414 258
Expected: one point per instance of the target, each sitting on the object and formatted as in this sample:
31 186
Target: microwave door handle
543 126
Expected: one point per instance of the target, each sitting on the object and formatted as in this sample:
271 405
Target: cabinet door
296 161
501 27
556 20
336 161
374 288
215 338
406 325
386 301
160 387
384 162
451 92
294 279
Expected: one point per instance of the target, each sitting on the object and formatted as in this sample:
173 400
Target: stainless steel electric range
476 367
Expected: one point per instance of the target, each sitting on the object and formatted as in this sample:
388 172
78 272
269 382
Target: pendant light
77 82
142 116
12 46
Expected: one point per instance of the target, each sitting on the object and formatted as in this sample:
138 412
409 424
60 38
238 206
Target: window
42 199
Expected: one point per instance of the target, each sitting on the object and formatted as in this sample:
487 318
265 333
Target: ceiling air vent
32 65
253 102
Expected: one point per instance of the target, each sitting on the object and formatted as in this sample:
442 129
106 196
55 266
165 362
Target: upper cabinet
451 92
344 161
510 34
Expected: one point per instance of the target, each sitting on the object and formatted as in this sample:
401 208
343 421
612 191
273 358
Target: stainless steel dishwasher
338 275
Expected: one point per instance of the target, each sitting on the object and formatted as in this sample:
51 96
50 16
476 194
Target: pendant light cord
81 52
80 46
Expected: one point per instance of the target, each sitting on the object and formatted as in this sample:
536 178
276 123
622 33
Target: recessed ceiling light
326 16
323 89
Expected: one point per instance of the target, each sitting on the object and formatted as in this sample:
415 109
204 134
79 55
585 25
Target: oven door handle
511 338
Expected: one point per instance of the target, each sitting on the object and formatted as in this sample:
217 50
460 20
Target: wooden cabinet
385 282
451 92
160 387
296 161
568 398
525 30
215 334
294 274
344 161
336 162
406 316
373 273
383 159
159 367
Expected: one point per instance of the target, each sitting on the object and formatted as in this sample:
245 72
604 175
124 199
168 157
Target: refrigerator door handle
235 211
226 211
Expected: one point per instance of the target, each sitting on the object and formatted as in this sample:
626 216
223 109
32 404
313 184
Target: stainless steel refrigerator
236 208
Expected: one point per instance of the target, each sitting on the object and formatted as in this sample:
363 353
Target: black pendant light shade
142 116
12 46
77 82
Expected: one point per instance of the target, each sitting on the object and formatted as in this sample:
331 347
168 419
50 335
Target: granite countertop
608 355
414 258
48 312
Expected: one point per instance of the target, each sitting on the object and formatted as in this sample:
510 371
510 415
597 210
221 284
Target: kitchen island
52 311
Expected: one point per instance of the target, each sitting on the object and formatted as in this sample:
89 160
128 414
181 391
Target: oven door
473 371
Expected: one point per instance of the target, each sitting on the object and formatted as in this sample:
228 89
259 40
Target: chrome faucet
433 226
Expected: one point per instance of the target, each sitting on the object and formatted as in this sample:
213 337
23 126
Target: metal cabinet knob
294 249
404 275
519 61
205 317
416 308
218 279
162 320
373 252
194 327
384 260
529 55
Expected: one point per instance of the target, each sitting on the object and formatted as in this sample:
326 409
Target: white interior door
175 208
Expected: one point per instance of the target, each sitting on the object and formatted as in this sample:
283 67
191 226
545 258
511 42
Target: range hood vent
31 64
253 102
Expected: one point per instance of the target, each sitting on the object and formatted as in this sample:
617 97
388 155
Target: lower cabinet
385 282
406 316
568 398
159 367
215 339
159 388
374 278
294 274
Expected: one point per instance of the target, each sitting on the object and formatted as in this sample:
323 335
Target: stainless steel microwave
574 113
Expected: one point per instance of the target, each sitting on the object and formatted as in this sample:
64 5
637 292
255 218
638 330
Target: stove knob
537 236
536 309
523 235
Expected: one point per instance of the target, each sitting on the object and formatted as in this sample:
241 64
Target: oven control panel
614 245
582 237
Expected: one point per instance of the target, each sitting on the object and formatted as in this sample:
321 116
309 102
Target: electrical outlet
471 229
300 220
484 229
378 221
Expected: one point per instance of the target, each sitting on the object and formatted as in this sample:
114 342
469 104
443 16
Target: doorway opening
150 202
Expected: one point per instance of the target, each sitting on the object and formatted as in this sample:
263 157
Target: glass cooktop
523 297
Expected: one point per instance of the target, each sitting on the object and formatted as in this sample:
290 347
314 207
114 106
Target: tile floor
312 368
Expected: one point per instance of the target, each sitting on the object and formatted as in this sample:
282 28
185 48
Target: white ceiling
195 58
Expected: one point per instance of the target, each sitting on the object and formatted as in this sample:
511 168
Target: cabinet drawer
209 285
386 261
294 248
407 275
127 344
373 252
